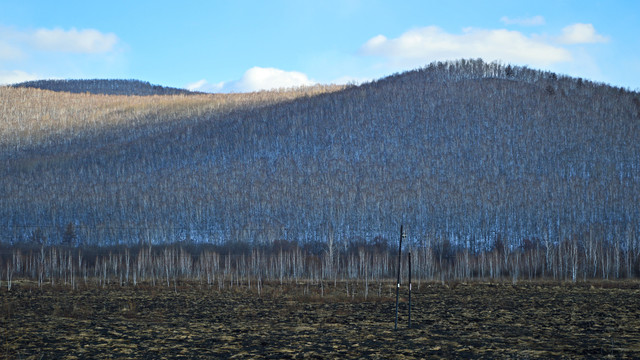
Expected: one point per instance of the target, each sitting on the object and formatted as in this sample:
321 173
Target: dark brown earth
294 321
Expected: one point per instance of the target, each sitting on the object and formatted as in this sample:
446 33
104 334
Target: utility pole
409 289
402 235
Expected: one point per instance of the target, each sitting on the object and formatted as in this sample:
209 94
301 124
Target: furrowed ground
457 320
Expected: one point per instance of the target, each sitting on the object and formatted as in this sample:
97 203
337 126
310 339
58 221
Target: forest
495 171
105 87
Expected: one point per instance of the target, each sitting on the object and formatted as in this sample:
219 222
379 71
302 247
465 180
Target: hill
104 87
462 152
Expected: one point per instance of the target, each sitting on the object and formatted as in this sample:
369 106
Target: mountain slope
104 87
465 151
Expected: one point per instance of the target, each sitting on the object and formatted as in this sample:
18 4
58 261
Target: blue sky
239 45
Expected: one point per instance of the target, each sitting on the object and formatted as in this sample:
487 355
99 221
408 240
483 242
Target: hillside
104 87
465 151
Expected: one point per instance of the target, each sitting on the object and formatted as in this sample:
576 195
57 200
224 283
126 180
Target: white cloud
9 52
88 41
196 86
204 86
15 76
419 46
347 79
581 34
256 79
58 53
532 21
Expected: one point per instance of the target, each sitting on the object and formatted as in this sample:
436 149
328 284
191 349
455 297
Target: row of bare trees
575 259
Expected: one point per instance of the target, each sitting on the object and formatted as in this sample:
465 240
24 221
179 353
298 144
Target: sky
241 45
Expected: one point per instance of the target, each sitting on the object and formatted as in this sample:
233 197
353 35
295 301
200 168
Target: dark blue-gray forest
104 87
465 151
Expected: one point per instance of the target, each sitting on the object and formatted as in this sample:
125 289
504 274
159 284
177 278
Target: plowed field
295 321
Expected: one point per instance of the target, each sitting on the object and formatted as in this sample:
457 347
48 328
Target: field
457 320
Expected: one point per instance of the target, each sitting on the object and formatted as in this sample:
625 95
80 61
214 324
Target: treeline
360 262
104 87
465 151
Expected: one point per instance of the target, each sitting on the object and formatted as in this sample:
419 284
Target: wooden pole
409 290
398 283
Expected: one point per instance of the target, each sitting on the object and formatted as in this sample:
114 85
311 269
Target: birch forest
495 171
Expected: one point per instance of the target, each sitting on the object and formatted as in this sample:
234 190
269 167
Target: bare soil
475 320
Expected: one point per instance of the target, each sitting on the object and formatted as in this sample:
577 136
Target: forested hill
105 87
465 151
